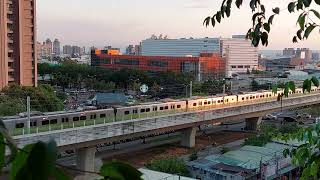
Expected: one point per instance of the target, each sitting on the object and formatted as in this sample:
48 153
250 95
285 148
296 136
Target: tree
193 156
308 19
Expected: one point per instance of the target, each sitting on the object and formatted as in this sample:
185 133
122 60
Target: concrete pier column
188 137
252 123
86 158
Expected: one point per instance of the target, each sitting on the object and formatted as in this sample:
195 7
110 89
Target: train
142 110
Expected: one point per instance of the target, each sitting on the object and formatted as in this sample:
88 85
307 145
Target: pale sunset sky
122 22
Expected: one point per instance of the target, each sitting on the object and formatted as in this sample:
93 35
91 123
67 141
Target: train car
149 109
230 99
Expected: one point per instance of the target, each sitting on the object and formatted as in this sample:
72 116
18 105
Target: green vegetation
224 150
308 19
193 156
268 131
171 165
43 98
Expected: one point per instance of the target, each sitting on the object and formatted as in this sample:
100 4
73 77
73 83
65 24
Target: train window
46 122
242 98
77 118
32 124
218 101
135 111
127 112
209 102
247 98
205 103
142 110
166 107
227 100
250 97
194 104
255 97
200 103
161 108
83 117
65 120
102 115
20 125
148 110
178 106
95 116
155 108
172 107
53 121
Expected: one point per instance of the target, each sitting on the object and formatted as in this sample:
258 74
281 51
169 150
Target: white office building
180 47
240 55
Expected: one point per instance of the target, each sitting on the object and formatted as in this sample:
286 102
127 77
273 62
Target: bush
171 165
259 140
224 150
193 156
289 128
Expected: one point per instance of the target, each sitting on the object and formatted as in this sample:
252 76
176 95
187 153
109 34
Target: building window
233 67
158 63
126 62
247 67
240 67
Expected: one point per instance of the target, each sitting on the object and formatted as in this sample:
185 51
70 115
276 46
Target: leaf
264 38
291 7
317 2
316 13
306 85
270 20
207 21
299 34
218 16
120 171
307 3
9 140
59 174
20 161
266 26
286 90
308 31
314 169
299 5
2 152
223 10
292 86
302 20
294 40
263 9
213 22
228 11
275 89
239 3
315 81
276 10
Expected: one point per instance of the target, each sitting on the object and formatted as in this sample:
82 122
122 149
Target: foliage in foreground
171 165
38 162
307 154
307 21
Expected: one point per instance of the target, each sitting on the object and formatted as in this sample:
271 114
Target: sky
122 22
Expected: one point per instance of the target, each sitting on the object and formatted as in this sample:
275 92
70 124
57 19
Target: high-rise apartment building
179 47
240 55
56 47
18 61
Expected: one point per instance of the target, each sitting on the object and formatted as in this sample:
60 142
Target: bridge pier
188 137
86 159
252 123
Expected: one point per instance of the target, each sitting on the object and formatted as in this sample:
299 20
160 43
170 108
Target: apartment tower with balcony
18 62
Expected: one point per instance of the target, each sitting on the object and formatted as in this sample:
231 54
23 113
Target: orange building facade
204 67
18 61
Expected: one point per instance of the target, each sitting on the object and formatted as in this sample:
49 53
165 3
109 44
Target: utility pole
190 89
28 113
